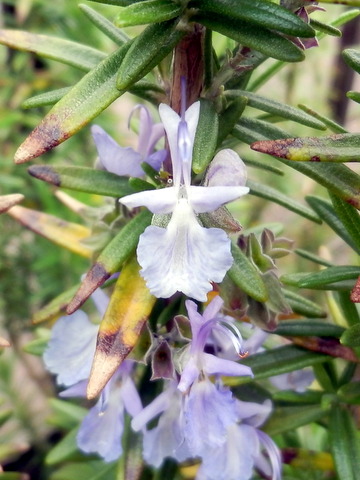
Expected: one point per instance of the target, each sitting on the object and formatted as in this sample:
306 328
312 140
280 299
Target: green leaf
64 51
303 306
263 166
327 213
324 279
350 218
111 259
118 3
89 97
351 336
331 125
310 328
65 415
89 470
55 307
84 179
269 193
148 11
281 360
64 449
323 27
38 345
103 24
147 51
344 443
276 108
246 276
4 417
47 98
352 58
312 257
354 96
284 419
350 393
258 38
350 312
258 12
249 130
229 117
205 137
342 147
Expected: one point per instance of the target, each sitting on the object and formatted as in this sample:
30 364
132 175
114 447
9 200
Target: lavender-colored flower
69 356
244 448
184 256
126 160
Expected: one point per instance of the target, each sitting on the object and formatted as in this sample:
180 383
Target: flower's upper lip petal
157 132
213 308
208 199
219 366
157 201
171 120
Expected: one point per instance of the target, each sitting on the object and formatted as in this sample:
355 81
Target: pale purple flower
126 160
69 356
245 448
184 256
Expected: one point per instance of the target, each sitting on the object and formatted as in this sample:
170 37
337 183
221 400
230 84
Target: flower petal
226 169
116 159
157 201
101 431
71 348
220 366
208 199
183 257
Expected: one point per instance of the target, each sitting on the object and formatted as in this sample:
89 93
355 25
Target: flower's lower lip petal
208 199
157 201
183 257
116 159
219 366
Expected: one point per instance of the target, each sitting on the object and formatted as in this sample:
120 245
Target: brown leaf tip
45 173
355 293
277 148
95 277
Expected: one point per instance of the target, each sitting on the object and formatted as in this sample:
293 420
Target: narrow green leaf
229 117
263 166
64 51
324 278
350 218
303 306
147 51
282 360
205 137
335 148
350 393
148 11
323 27
103 24
310 328
65 415
352 58
327 213
344 443
4 417
89 97
276 108
83 179
55 307
258 12
349 310
246 276
284 419
275 196
48 98
312 257
351 336
331 125
350 3
118 3
259 38
63 450
111 259
89 470
354 96
249 130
